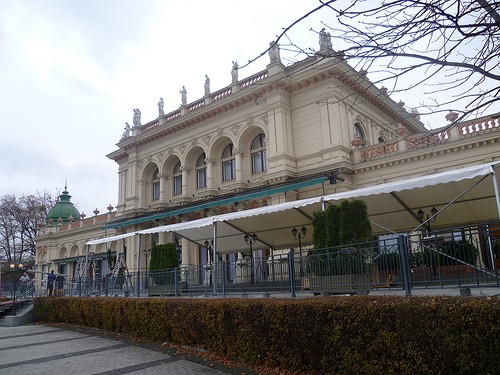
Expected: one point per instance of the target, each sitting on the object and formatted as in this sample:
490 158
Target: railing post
223 273
405 264
176 281
291 272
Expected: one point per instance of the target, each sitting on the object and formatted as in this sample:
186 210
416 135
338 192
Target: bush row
370 335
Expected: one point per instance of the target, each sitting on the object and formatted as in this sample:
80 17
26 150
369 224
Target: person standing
25 279
50 282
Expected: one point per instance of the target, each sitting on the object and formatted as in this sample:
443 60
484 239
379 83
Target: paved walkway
41 349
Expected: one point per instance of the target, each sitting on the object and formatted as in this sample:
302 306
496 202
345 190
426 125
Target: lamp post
146 252
15 267
210 260
299 236
209 247
250 240
428 219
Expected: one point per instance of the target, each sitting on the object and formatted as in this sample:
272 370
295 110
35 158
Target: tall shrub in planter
354 224
335 228
319 236
164 259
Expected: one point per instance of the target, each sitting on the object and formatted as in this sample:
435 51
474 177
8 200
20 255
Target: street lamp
428 219
15 267
209 247
146 252
299 236
250 240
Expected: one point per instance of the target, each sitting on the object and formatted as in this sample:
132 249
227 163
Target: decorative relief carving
182 148
193 141
206 139
238 151
169 151
160 157
220 131
265 118
249 120
140 163
235 129
209 160
185 168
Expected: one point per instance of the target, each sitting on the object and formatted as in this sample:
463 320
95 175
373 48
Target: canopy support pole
448 205
214 250
139 266
495 187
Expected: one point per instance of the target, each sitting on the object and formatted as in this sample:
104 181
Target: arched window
177 179
358 131
201 172
156 185
258 152
228 163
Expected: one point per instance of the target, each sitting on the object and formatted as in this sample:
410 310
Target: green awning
220 202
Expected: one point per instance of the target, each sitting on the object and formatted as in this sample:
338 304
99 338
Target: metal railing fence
459 257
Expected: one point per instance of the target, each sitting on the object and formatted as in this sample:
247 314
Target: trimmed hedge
369 335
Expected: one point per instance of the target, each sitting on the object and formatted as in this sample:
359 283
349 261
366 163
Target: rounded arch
75 251
149 185
215 156
253 142
359 131
62 253
167 175
195 160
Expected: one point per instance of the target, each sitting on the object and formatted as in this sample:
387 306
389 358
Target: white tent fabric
391 205
110 239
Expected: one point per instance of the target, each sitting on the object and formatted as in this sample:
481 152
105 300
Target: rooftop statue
207 85
183 93
160 107
325 40
274 52
137 117
234 71
126 131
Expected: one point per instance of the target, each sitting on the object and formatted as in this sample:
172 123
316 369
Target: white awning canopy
392 206
110 239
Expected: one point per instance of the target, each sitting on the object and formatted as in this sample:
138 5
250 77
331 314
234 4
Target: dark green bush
357 335
164 258
457 252
334 230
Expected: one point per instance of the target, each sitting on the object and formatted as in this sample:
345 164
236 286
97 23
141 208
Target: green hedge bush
362 335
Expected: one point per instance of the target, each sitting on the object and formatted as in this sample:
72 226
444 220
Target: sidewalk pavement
42 349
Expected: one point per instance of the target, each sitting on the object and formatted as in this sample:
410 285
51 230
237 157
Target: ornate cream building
276 136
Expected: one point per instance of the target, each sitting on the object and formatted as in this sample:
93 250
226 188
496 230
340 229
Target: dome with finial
63 211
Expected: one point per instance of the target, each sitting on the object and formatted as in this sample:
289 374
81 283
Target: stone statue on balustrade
325 41
183 93
137 117
207 85
126 131
274 52
234 71
160 107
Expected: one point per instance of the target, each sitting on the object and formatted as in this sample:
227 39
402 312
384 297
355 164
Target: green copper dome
63 210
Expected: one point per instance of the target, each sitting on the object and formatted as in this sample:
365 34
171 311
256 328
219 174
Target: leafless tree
449 47
19 220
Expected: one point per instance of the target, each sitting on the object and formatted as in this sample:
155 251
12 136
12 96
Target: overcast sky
72 71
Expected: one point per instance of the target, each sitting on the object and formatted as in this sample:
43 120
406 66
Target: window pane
177 184
256 162
156 191
201 178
